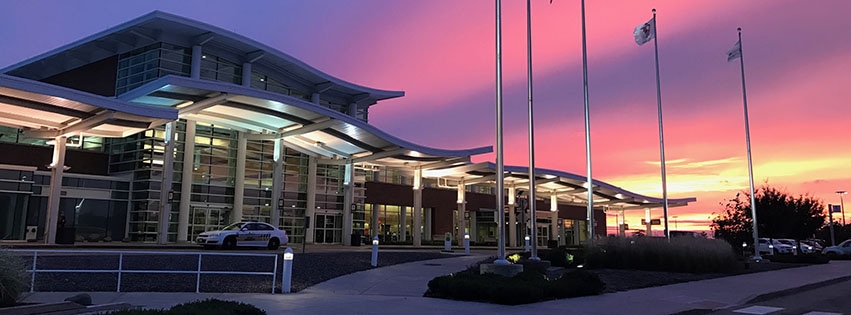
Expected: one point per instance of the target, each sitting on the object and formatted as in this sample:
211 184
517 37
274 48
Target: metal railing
120 269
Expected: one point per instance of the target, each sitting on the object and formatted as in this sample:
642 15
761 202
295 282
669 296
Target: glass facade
97 210
145 64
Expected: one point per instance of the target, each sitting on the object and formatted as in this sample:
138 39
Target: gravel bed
308 269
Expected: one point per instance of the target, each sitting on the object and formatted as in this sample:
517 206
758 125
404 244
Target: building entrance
543 233
204 219
329 228
13 213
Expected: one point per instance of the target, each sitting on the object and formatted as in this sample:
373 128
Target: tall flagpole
534 254
589 179
748 140
500 169
661 132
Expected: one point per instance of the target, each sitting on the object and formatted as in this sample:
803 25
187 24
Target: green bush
206 307
680 254
13 278
526 287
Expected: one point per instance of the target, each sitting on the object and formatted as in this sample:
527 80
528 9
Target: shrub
558 257
206 307
681 254
216 307
13 278
526 287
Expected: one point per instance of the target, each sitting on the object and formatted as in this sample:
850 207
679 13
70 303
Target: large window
220 69
143 65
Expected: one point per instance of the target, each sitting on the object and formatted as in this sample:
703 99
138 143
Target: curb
782 293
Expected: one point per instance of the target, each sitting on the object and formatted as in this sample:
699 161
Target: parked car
843 248
805 248
815 244
253 234
773 246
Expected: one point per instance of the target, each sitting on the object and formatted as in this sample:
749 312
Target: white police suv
253 234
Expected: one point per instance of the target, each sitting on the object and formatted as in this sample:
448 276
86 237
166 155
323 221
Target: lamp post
842 205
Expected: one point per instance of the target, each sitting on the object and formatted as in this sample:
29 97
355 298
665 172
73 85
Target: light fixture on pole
842 205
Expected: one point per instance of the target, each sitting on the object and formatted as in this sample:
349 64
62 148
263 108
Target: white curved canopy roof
313 129
45 111
569 188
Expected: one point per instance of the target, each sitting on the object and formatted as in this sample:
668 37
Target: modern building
163 127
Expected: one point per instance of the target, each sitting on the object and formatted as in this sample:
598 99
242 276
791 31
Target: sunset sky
441 53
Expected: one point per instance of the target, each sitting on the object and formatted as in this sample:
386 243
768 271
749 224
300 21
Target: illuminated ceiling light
184 104
619 196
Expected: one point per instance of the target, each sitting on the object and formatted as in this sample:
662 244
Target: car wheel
274 244
229 243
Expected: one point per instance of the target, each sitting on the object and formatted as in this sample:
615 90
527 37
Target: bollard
375 251
288 271
527 244
467 243
447 242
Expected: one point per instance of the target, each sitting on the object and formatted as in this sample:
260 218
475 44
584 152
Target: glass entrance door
543 234
205 219
329 229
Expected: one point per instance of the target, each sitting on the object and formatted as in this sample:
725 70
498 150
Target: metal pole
500 176
842 204
830 220
589 179
661 131
534 255
748 141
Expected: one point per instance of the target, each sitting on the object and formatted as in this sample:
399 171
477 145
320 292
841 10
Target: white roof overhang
46 111
567 187
315 130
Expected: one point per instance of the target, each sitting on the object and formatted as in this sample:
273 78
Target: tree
779 215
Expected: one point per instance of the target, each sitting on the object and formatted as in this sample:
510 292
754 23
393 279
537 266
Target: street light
842 204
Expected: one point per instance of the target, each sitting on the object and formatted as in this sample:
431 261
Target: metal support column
239 178
166 193
310 209
417 229
186 180
277 183
57 169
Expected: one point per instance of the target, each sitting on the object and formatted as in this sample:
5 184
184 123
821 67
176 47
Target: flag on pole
645 32
735 52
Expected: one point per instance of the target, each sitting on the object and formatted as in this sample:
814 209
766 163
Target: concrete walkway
398 289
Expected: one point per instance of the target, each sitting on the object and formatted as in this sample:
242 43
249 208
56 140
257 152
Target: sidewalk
398 289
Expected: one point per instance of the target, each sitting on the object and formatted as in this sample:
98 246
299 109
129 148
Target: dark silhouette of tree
779 215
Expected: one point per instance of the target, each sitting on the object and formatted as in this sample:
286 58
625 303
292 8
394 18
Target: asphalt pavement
398 289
